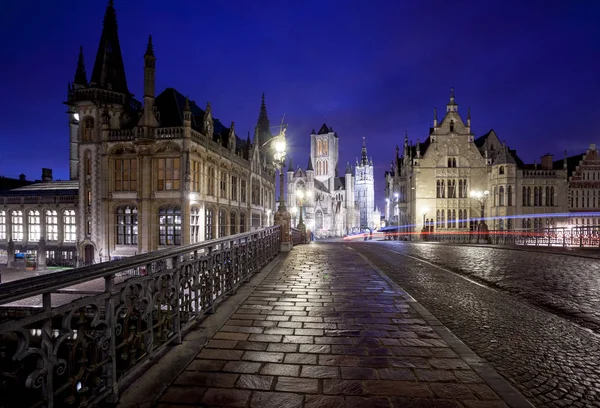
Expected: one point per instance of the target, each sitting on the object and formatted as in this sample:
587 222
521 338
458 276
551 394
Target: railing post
176 278
111 353
48 349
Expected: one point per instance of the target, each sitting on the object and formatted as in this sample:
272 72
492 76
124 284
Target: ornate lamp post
481 197
397 211
282 216
300 194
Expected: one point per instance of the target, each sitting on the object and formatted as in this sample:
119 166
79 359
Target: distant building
584 188
144 176
364 190
429 185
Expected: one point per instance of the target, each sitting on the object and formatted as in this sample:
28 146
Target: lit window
168 174
2 225
127 226
208 227
195 225
51 225
169 226
34 225
125 174
17 225
70 229
196 174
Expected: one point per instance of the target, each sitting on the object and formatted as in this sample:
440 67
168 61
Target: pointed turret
363 158
469 117
434 117
310 165
232 139
452 106
148 118
262 130
80 75
290 167
348 168
109 71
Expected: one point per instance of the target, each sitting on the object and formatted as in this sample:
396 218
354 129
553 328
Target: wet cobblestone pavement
550 359
326 330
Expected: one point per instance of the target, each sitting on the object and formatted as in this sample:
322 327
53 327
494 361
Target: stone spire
148 117
469 117
109 71
363 157
452 106
80 75
310 165
434 117
263 126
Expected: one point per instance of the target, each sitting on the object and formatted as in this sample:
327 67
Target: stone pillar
41 255
10 253
283 218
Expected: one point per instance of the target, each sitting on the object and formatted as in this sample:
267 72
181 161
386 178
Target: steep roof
7 183
324 129
572 163
320 186
64 187
339 183
171 103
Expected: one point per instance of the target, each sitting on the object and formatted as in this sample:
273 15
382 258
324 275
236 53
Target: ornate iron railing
79 353
576 236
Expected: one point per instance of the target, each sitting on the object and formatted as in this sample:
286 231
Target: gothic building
328 202
365 189
584 189
430 184
144 175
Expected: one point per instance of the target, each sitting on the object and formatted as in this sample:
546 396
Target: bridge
236 322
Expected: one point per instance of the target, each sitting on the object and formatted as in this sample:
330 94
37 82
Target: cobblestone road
551 360
326 330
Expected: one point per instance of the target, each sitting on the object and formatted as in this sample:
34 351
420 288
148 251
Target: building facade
327 201
146 176
445 183
364 190
584 189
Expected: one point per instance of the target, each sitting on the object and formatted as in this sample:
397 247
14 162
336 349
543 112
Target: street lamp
481 197
279 145
300 195
424 210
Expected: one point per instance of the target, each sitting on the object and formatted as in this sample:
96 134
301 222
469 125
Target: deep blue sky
530 69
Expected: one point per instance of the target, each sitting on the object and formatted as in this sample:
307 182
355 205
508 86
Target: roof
171 103
7 183
339 183
324 129
66 187
572 163
320 186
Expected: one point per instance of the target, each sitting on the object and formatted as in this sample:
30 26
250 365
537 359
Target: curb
495 381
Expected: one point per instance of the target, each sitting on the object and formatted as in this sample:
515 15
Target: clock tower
364 188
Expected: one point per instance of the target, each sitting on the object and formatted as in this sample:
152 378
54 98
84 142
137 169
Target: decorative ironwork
77 354
576 236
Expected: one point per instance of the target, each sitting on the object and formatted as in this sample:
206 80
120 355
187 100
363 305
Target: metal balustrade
80 353
576 236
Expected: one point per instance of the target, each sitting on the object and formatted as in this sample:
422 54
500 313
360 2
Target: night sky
366 68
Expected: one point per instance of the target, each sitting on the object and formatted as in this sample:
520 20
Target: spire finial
364 141
187 104
150 47
80 75
452 94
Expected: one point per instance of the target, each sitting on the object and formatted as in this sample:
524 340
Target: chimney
46 174
22 177
547 161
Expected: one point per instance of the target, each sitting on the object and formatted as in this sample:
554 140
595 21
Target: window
196 174
501 196
70 229
168 174
88 129
169 226
451 188
51 225
234 188
438 189
451 126
501 170
33 223
524 196
125 174
443 220
552 196
17 225
208 228
451 161
2 225
211 181
222 223
509 224
223 185
510 196
243 191
547 196
242 222
88 163
255 192
194 225
319 220
232 223
528 196
127 226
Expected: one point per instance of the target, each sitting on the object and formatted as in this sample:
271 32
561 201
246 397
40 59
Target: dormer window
452 162
451 126
501 170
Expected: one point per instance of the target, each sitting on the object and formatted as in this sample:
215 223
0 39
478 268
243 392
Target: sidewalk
325 329
583 252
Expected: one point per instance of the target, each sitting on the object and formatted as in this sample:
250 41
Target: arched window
510 196
501 196
524 196
451 126
319 220
501 170
69 226
88 129
547 196
33 224
88 163
194 225
552 196
453 162
209 224
242 222
127 226
51 225
528 196
169 226
232 223
2 225
222 223
17 225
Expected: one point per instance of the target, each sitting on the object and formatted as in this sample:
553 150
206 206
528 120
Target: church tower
324 154
364 188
